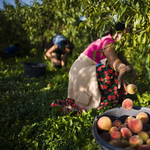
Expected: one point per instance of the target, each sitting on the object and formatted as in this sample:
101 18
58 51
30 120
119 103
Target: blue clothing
99 64
11 50
58 39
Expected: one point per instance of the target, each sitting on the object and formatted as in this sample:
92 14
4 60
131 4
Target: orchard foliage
39 21
102 15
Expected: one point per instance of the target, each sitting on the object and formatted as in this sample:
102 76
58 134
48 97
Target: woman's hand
56 61
124 70
122 75
133 75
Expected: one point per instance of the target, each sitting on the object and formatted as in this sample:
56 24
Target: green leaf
102 29
128 21
121 11
134 42
35 144
144 39
75 139
140 37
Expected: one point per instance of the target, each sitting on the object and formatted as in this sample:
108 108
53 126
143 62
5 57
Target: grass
27 120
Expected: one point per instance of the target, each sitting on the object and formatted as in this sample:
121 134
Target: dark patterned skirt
108 85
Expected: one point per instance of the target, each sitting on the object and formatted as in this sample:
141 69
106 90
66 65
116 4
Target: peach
115 135
144 147
125 125
131 88
113 128
129 118
115 143
143 116
135 141
117 123
130 148
135 125
104 123
148 132
124 143
144 136
127 104
105 136
148 142
146 127
126 133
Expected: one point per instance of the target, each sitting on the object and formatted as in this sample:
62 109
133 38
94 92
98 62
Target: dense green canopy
37 23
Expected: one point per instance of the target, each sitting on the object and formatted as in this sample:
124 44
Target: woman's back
97 46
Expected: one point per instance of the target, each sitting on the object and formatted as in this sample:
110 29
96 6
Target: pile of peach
133 134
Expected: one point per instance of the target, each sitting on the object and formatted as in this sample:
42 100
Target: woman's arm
124 60
116 64
64 61
113 60
49 54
